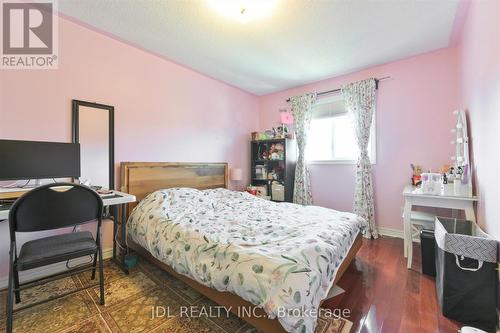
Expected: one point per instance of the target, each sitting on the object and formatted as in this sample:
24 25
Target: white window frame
373 137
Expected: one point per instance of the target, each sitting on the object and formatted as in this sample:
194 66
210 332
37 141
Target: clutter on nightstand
252 190
259 191
431 183
417 172
282 131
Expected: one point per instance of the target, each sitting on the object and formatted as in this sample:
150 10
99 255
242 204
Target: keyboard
110 196
5 206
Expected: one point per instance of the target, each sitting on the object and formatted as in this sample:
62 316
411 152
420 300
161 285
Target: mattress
281 257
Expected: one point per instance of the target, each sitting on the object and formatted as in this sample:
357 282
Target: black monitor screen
38 160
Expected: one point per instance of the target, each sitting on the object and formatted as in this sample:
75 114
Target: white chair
418 221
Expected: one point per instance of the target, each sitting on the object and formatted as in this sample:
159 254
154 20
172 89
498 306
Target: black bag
428 249
466 275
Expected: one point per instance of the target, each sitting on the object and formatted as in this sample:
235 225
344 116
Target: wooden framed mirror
93 129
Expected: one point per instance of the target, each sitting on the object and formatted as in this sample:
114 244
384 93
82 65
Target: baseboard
37 273
396 233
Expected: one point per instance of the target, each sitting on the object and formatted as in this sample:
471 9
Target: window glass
331 137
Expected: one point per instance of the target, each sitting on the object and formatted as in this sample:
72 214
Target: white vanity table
413 197
456 196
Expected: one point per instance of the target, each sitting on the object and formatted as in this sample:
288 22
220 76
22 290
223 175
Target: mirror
462 166
93 129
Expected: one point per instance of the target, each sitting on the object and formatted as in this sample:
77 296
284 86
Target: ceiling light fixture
243 11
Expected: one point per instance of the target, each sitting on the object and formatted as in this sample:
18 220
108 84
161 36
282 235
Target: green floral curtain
360 101
302 113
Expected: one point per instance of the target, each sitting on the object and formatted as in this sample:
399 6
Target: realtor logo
29 39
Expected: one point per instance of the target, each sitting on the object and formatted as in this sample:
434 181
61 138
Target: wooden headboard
143 178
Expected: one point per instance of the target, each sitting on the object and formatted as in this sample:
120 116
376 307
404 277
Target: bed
270 263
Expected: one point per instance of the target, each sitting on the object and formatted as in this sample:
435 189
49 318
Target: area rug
146 300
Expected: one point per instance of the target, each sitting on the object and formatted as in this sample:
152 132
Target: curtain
360 101
302 113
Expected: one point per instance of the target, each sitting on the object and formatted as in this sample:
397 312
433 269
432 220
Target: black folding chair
48 207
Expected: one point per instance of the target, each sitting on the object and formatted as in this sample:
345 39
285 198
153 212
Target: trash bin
427 248
466 276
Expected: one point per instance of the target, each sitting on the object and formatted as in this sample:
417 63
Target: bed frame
142 178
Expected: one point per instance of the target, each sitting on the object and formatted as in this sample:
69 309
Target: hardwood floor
384 296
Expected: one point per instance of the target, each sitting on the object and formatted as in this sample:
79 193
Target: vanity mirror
462 165
93 129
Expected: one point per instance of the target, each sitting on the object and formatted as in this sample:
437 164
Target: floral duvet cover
282 257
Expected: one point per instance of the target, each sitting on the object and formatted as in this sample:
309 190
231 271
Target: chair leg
94 264
10 300
101 275
410 248
16 285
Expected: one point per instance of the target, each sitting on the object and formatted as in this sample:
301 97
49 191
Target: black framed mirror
93 128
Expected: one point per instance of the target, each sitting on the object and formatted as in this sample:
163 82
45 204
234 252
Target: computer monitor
38 160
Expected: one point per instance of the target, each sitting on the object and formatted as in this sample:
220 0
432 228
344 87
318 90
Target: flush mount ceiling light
243 10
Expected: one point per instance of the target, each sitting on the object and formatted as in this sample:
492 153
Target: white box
431 183
278 192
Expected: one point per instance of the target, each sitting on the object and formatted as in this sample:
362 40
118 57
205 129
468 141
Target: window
331 137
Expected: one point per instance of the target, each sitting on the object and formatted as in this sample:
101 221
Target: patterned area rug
131 302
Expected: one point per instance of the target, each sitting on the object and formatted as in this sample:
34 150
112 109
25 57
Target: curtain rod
337 90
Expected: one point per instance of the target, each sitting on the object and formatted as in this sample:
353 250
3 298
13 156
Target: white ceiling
299 42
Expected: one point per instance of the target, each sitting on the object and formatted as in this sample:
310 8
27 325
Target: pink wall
414 118
479 63
163 111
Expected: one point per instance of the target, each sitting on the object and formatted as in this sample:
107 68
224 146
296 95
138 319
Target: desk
13 192
118 202
414 197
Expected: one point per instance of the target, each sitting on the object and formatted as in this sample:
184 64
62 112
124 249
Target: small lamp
286 119
235 175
